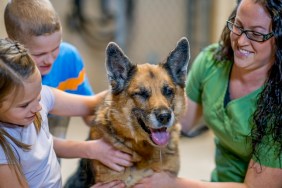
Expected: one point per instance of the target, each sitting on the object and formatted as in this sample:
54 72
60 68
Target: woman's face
21 110
248 54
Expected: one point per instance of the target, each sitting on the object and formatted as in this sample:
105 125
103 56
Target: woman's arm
67 104
9 178
165 180
192 115
257 177
261 176
113 184
94 149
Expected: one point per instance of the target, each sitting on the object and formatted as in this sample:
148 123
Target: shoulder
67 46
68 50
205 63
68 54
207 55
205 72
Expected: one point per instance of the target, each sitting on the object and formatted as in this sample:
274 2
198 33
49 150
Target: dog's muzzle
156 125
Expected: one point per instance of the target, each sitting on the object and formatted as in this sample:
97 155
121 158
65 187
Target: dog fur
140 114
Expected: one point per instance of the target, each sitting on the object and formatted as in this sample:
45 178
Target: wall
2 27
221 11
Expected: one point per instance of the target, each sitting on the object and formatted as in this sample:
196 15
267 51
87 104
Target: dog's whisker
161 158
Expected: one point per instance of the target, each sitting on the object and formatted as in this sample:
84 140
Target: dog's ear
119 68
177 62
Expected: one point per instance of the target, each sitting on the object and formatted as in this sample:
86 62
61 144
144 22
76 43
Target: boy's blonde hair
16 66
28 18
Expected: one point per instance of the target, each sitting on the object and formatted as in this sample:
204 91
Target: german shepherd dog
140 114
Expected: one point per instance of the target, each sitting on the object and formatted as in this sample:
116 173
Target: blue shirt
68 72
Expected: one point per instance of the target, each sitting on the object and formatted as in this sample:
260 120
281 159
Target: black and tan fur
140 113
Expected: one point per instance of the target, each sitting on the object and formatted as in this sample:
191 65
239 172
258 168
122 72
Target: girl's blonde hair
16 66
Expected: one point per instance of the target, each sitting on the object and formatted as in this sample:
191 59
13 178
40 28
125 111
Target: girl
28 152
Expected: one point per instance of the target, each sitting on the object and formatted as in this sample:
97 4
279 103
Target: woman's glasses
252 35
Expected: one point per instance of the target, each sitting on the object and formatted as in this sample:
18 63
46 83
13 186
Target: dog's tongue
160 137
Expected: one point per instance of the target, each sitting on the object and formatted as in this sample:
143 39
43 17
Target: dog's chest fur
140 114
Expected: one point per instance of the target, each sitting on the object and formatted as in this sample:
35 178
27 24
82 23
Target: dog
140 114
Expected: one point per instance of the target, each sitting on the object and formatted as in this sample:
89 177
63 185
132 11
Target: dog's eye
167 91
143 94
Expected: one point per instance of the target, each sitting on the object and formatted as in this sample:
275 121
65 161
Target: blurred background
147 30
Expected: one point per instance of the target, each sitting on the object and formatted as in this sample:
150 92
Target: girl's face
250 54
44 50
20 110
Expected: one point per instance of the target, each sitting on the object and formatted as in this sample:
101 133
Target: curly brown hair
267 118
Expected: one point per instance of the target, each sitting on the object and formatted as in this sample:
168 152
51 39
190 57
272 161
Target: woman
236 86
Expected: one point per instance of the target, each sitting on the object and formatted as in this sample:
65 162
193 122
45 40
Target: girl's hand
113 184
108 155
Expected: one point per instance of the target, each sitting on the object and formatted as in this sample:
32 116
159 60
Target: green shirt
207 84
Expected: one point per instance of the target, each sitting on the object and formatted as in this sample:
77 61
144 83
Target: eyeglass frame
265 36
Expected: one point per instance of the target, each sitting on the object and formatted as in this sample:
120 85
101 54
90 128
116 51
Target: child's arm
67 104
94 149
9 178
88 120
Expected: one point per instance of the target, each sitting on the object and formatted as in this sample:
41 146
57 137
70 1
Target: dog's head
147 99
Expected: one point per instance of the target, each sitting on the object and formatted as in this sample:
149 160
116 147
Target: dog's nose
163 118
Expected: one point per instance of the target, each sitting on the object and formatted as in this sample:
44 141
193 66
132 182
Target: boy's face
21 110
44 50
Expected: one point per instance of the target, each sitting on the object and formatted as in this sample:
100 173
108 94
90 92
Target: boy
36 25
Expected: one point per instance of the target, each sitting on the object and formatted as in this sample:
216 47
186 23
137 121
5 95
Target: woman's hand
113 184
158 179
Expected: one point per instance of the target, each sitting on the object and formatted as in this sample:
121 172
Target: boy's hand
108 155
